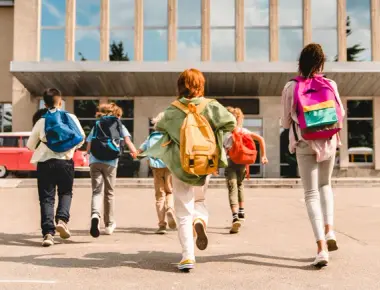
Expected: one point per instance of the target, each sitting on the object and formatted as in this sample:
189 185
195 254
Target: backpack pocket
321 114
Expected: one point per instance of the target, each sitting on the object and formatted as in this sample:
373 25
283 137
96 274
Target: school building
131 52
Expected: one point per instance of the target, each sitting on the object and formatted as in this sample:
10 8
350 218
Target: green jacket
170 125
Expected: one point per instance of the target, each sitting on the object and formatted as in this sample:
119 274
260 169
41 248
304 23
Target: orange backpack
243 150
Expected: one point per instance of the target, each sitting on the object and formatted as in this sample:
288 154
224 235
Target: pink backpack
318 111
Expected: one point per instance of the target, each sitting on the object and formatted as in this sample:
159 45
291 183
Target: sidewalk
215 183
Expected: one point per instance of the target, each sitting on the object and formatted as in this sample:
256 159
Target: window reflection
189 13
5 117
222 13
122 45
358 30
223 45
257 44
156 13
256 13
290 13
87 45
53 13
156 45
291 43
122 13
88 13
189 44
52 44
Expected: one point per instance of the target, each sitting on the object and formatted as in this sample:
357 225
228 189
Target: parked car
15 156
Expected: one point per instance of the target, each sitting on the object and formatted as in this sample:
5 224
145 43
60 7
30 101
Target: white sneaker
321 260
110 229
331 241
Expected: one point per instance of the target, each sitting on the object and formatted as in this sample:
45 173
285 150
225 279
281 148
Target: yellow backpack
199 153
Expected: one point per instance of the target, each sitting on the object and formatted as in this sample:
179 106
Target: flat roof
95 78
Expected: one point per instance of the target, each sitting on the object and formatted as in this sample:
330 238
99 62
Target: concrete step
214 183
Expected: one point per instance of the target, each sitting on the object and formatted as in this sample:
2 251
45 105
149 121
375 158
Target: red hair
191 83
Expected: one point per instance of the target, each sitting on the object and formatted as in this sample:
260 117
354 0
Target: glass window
256 13
248 106
324 24
88 13
156 13
128 112
53 13
358 30
255 125
5 117
290 32
122 13
155 45
87 45
257 44
291 44
288 162
52 45
223 45
222 13
85 111
189 13
189 44
41 104
9 141
360 130
122 45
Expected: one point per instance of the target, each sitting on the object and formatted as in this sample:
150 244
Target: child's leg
169 190
200 209
46 193
97 188
109 175
240 178
184 209
65 181
159 186
231 178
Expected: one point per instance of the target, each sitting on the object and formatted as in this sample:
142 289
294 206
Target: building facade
131 51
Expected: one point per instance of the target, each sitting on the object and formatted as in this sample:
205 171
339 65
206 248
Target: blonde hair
191 83
109 110
157 119
237 113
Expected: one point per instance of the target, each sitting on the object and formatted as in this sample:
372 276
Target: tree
117 52
354 51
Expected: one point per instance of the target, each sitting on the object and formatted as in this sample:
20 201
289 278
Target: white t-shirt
227 142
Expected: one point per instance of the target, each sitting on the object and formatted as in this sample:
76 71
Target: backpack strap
186 110
203 105
180 106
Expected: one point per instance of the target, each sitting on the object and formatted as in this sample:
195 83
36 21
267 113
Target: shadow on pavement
29 240
154 261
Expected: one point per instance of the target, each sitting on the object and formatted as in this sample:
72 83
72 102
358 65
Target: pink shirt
324 149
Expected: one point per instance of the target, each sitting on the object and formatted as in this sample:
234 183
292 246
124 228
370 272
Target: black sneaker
48 240
95 231
241 216
236 224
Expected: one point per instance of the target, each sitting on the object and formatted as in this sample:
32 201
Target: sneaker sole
161 233
63 233
47 244
235 228
202 240
94 231
332 245
186 268
321 264
171 221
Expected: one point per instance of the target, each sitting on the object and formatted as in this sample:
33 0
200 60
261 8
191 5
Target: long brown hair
312 60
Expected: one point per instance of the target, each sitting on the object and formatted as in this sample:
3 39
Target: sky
324 17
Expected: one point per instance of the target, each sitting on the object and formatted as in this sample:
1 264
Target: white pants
189 204
316 180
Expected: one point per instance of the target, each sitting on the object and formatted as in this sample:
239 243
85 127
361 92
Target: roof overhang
159 78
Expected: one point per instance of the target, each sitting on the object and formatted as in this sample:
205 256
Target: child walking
315 146
235 173
162 182
54 138
188 188
104 146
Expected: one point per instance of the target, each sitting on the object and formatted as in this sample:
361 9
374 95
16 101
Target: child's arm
131 147
34 137
88 149
261 141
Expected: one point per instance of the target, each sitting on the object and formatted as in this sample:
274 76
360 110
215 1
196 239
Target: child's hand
216 173
264 160
134 154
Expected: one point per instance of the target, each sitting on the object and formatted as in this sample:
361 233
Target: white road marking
29 281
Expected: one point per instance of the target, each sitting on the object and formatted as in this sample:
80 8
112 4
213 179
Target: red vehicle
15 156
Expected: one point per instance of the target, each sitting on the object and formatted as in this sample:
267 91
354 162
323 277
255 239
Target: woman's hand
264 160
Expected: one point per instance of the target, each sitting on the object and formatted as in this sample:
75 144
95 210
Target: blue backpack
62 134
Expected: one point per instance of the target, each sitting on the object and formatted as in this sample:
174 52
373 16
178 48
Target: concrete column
139 30
270 109
376 132
26 44
69 104
70 30
206 47
343 150
172 29
239 30
375 29
146 108
104 30
307 29
342 24
273 28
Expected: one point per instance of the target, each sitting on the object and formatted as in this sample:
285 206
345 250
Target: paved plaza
273 250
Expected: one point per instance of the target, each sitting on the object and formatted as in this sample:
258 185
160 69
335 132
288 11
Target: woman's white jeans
189 204
316 180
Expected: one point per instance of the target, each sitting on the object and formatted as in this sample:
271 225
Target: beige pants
103 178
164 193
